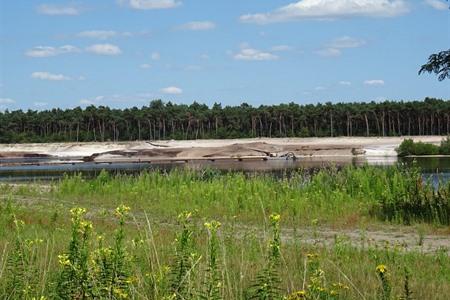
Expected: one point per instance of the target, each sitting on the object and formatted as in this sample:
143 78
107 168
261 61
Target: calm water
436 169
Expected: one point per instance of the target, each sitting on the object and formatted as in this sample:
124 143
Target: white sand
382 146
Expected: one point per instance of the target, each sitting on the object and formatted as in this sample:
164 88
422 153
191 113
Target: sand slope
313 147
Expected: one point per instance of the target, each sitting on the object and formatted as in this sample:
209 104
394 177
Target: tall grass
225 243
136 262
335 196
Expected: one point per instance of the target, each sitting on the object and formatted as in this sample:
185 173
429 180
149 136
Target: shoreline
368 147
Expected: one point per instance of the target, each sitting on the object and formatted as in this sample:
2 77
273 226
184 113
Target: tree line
161 121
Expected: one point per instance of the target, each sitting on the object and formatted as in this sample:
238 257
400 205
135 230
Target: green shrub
444 149
409 147
406 148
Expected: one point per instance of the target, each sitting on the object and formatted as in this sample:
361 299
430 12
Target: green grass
336 197
158 251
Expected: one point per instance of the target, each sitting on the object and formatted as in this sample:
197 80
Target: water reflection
436 168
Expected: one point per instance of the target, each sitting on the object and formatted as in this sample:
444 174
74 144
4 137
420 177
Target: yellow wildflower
297 295
381 269
63 260
275 218
122 211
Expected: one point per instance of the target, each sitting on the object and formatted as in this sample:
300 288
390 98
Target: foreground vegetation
408 148
206 235
162 120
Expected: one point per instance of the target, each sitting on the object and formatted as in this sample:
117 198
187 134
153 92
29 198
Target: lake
436 168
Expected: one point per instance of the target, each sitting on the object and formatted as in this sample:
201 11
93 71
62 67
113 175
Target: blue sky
125 53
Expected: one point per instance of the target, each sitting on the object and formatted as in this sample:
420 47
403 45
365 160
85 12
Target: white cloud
156 56
193 68
330 9
334 48
145 66
281 48
172 90
374 82
109 34
94 101
40 104
58 10
150 4
198 26
346 42
7 101
98 34
104 49
48 51
345 83
437 4
49 76
251 54
204 56
320 88
329 52
87 102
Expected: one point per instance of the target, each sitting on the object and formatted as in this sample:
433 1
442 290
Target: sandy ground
272 147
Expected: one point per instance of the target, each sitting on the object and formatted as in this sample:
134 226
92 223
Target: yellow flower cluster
381 269
213 225
122 211
275 218
77 211
185 216
63 260
19 223
297 295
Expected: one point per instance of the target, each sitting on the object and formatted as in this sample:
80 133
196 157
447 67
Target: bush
426 149
406 148
444 149
409 147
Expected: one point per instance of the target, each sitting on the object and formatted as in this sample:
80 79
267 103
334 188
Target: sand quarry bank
211 149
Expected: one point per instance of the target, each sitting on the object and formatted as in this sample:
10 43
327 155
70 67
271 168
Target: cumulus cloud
346 42
156 56
437 4
58 10
250 54
145 66
87 102
150 4
49 76
40 104
343 82
48 51
172 90
104 49
7 101
94 101
109 34
329 52
374 82
198 26
281 48
330 9
98 34
334 48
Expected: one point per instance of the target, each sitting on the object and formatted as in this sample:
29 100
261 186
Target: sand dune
271 147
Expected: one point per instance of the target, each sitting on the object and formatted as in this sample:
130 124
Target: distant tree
438 63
